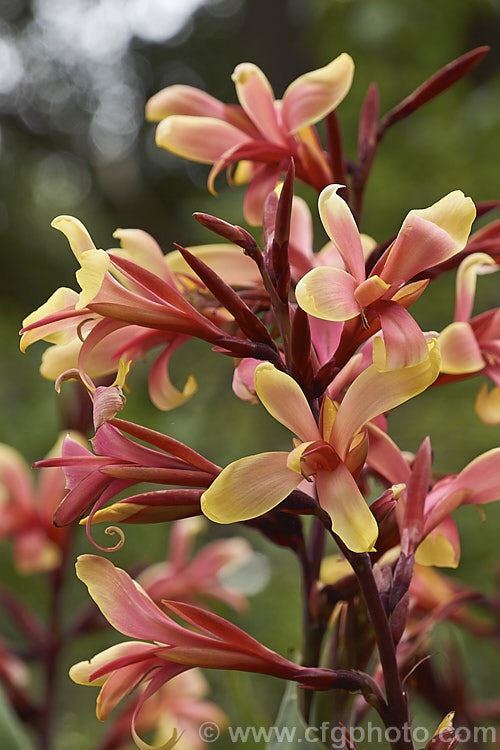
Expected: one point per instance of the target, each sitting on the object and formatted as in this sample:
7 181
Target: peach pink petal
202 139
340 226
313 95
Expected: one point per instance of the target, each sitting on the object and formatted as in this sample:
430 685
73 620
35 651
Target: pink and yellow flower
132 300
478 483
333 452
26 512
194 579
471 345
181 705
261 133
167 648
177 709
427 237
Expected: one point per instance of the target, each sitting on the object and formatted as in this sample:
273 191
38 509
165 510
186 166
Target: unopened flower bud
385 504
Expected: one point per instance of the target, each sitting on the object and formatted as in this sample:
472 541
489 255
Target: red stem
396 713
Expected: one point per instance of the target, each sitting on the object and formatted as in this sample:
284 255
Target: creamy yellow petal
143 249
333 568
243 172
370 290
165 396
374 392
469 269
447 723
313 95
454 213
59 358
180 99
437 550
79 239
341 227
488 405
328 414
228 261
80 673
368 244
409 293
202 139
293 461
256 96
249 487
284 400
168 745
122 373
430 236
61 298
328 293
352 519
95 264
459 349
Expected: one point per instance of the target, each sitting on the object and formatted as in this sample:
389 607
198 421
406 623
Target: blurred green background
74 78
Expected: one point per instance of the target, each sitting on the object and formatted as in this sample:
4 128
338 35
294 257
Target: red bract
119 462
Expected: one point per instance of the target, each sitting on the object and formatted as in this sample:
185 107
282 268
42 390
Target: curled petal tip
77 235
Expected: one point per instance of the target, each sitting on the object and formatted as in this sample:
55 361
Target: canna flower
177 709
332 452
261 133
427 237
166 648
14 674
180 704
26 512
438 543
432 592
132 300
193 579
118 463
471 346
325 334
477 484
301 254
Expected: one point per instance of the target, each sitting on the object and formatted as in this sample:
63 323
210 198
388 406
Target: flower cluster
327 344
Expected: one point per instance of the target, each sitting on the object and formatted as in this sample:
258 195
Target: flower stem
396 714
314 629
52 649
